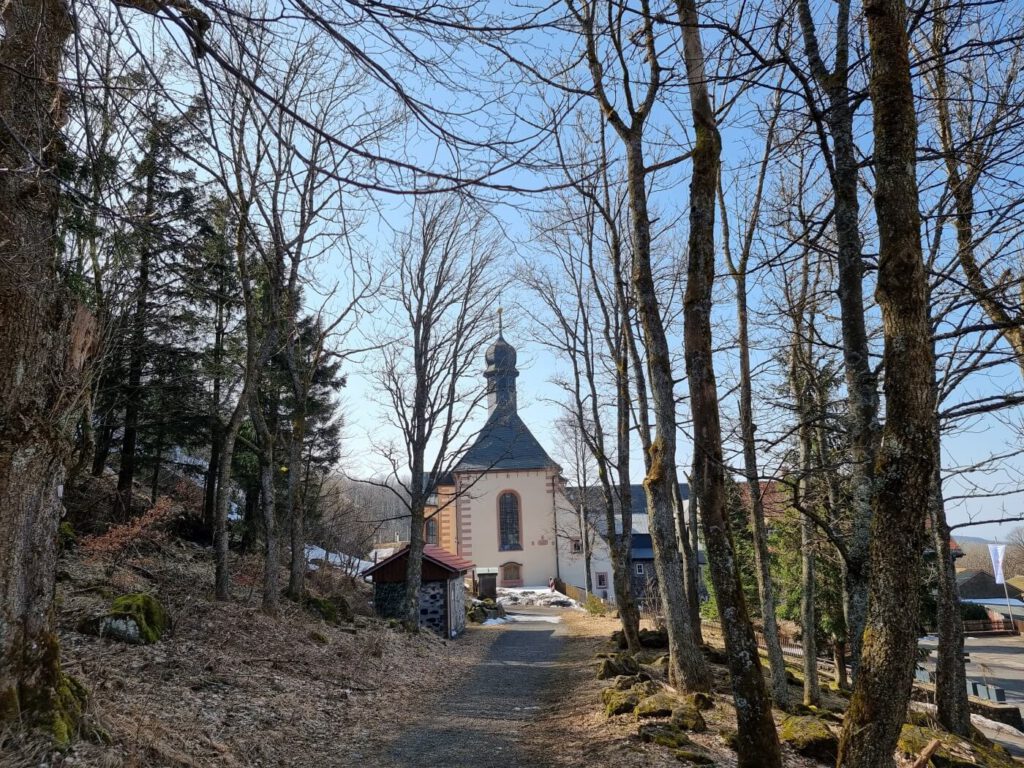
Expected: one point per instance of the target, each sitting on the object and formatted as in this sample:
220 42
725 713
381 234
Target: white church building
504 504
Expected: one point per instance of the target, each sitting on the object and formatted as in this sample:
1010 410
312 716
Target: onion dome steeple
501 374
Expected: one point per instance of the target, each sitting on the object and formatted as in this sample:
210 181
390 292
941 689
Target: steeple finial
500 328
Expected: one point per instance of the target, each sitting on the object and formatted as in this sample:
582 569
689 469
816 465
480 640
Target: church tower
501 377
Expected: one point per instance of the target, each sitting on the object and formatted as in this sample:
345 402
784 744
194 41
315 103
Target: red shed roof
437 555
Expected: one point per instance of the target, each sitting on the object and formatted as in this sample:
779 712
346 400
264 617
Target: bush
595 606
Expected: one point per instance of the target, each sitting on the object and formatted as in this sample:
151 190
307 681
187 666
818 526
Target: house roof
595 499
505 442
642 549
435 554
1016 582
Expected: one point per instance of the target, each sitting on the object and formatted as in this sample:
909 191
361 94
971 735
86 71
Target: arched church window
509 522
430 531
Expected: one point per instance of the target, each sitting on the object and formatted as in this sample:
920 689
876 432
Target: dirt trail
481 722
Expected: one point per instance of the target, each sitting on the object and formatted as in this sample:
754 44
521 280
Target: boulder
702 701
953 752
688 717
694 757
665 735
654 638
660 704
619 664
810 737
333 609
625 682
136 618
619 702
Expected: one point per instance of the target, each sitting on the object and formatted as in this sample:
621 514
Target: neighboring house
504 505
1016 582
977 585
642 574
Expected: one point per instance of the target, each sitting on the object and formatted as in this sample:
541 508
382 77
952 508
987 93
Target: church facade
504 505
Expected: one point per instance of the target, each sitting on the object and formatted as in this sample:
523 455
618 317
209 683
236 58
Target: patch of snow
526 618
316 556
495 622
541 596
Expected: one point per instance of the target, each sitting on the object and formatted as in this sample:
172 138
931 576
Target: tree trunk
271 552
906 460
212 473
136 362
765 590
44 345
687 667
812 693
296 503
157 461
414 566
861 386
950 676
757 742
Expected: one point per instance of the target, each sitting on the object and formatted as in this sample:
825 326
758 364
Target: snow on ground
521 618
540 596
316 555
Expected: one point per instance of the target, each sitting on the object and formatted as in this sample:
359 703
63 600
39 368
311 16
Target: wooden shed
442 592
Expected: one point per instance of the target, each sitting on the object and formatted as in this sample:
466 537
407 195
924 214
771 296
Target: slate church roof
505 442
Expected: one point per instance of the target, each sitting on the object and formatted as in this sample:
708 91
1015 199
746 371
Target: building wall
572 565
478 522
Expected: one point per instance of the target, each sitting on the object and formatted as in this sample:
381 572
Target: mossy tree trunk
906 462
45 343
757 741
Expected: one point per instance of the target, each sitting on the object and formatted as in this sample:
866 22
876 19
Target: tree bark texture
861 386
45 343
757 742
906 461
950 676
686 662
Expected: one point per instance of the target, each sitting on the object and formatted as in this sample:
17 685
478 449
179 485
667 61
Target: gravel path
480 724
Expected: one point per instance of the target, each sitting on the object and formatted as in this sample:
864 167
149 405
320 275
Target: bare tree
906 462
758 743
603 25
441 300
738 269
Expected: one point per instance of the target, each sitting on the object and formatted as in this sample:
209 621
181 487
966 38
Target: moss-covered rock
619 702
137 618
702 701
620 664
665 735
625 682
654 638
334 609
953 752
660 704
694 757
810 737
688 717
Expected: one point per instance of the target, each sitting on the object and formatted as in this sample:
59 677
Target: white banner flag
996 552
